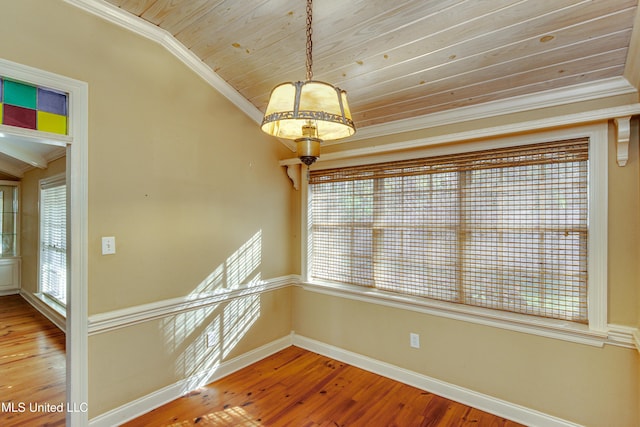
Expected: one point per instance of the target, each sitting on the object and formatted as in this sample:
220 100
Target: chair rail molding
122 318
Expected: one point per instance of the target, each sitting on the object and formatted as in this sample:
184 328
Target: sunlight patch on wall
201 338
201 357
243 262
239 315
235 271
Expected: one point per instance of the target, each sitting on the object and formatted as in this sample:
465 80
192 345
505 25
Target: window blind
53 241
504 229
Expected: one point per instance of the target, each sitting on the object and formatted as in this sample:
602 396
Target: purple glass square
52 102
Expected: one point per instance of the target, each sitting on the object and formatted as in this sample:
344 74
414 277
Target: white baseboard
45 309
624 336
465 396
160 397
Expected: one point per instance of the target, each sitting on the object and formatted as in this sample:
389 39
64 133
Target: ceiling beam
18 152
10 168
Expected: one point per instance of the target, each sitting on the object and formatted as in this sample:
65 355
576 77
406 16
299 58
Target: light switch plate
108 245
414 340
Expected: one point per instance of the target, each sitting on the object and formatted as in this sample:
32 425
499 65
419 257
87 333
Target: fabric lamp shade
296 107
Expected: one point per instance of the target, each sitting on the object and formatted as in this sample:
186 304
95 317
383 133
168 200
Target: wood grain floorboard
298 388
32 366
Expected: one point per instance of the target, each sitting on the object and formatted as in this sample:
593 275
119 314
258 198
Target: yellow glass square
54 123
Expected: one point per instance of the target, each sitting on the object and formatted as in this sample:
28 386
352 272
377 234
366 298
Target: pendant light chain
309 42
308 112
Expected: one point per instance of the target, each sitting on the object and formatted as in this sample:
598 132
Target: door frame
76 142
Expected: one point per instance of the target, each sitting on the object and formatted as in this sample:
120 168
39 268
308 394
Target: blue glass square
52 102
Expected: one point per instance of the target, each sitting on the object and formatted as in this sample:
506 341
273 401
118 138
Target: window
53 239
9 218
504 229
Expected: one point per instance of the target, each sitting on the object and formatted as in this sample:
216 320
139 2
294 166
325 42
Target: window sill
53 304
549 328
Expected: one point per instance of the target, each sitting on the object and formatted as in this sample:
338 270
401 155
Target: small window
9 219
503 229
53 239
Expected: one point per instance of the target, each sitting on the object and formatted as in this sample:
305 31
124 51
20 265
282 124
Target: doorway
32 147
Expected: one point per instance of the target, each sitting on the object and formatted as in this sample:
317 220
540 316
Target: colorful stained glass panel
32 107
19 116
19 94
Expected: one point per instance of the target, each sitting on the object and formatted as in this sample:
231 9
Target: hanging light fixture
308 112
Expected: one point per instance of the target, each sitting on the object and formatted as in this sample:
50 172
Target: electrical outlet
212 339
414 340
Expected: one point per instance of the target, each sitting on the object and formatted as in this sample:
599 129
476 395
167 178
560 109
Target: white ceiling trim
551 98
390 150
145 29
555 97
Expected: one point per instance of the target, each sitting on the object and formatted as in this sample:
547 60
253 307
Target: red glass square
19 116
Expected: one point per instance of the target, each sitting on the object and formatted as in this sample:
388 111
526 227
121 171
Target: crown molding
139 26
576 119
551 98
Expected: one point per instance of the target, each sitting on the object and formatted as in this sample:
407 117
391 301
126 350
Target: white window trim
597 330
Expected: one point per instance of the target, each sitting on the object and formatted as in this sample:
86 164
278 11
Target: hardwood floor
32 366
298 388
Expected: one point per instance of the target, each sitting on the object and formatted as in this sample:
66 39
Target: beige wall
159 353
185 182
29 222
587 385
189 186
177 174
624 235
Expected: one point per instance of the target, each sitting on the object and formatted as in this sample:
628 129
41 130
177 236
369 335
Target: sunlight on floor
202 337
236 417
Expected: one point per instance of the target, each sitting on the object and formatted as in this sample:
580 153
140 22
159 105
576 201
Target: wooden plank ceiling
405 58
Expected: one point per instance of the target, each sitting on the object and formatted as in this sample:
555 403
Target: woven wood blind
504 229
